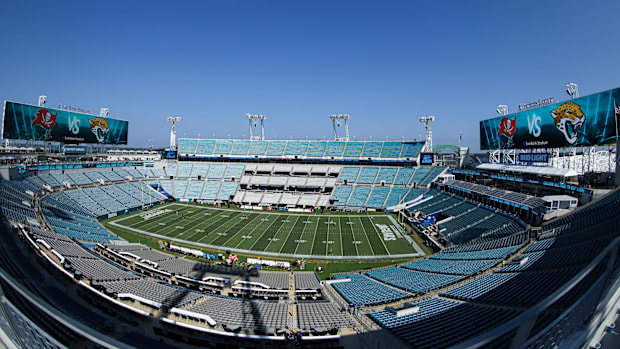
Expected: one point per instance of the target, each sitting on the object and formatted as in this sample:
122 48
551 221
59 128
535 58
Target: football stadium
309 174
315 243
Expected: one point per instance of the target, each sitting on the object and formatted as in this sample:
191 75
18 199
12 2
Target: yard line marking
265 232
256 227
289 234
190 222
241 229
352 234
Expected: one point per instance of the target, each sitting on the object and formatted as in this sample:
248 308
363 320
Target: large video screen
585 121
427 158
170 154
30 122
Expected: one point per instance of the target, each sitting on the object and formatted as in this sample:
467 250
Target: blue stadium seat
372 149
316 149
276 148
296 148
223 147
353 149
240 147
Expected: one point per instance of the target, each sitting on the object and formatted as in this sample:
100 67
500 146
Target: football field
338 236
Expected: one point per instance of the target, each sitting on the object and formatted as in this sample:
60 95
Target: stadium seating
211 190
428 308
306 281
179 188
420 175
334 149
205 147
120 196
217 171
240 147
440 331
187 145
397 150
461 311
276 148
372 149
194 189
246 314
412 281
185 169
200 170
391 149
451 267
62 179
298 148
315 315
367 175
359 196
171 170
349 174
386 175
316 149
353 149
49 180
396 196
377 197
223 147
364 291
234 171
227 191
341 195
411 149
101 198
404 175
258 148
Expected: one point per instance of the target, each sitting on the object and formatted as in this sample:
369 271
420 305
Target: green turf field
321 236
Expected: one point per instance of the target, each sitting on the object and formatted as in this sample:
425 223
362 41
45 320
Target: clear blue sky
384 63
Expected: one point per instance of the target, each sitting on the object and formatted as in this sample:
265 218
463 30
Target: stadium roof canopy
536 170
445 149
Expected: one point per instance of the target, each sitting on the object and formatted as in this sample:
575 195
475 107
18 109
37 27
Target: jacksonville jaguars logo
569 119
99 127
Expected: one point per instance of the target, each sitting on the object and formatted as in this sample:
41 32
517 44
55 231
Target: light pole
502 109
572 89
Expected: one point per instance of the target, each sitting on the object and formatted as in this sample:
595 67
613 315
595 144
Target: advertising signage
533 157
30 122
585 121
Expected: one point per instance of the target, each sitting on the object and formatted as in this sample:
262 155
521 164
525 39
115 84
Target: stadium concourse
499 279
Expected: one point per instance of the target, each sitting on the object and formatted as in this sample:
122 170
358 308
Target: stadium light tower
502 109
572 89
253 120
173 130
42 100
426 120
104 112
337 120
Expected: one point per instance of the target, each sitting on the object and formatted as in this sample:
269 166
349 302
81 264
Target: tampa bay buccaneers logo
507 128
45 119
99 127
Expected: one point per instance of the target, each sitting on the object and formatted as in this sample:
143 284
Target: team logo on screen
507 128
99 127
568 119
45 119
